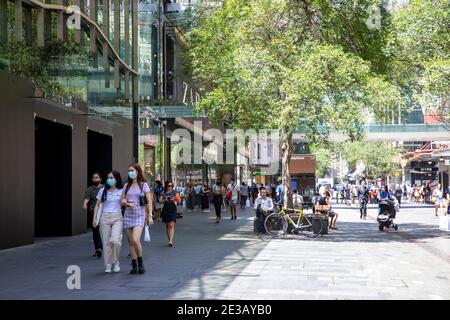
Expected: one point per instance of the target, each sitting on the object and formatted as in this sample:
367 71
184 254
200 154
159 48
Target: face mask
132 175
96 183
111 182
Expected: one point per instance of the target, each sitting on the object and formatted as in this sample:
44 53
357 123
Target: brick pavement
227 261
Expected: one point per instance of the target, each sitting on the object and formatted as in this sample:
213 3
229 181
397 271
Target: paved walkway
227 261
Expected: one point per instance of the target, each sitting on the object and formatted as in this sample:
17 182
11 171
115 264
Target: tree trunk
286 152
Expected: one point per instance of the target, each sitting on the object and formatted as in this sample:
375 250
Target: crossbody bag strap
104 194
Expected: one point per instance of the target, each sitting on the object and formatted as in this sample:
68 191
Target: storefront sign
434 169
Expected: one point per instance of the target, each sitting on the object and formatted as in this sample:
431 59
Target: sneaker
116 267
108 268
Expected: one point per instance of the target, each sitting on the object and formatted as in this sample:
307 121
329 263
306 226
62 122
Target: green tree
418 45
289 64
380 159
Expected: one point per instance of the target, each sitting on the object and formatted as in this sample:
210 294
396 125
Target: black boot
133 266
141 265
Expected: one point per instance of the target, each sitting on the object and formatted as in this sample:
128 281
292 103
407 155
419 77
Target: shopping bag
247 203
99 214
147 234
444 223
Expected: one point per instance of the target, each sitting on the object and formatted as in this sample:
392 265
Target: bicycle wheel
308 229
275 224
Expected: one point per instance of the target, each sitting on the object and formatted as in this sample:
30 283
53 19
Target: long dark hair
119 182
167 183
140 177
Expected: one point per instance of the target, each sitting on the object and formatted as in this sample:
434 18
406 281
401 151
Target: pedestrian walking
137 199
363 199
190 197
218 193
159 189
244 194
279 193
169 199
90 200
398 194
438 198
204 193
198 189
232 197
347 195
111 220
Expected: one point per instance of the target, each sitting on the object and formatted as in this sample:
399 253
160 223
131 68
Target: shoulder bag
142 198
100 207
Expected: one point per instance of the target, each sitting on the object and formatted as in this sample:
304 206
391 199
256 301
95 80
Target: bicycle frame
300 216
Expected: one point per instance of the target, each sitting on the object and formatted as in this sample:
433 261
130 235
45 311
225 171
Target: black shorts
331 213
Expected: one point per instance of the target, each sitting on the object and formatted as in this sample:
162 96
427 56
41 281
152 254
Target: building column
105 29
47 24
40 27
60 25
3 21
135 84
126 27
93 34
18 20
77 32
117 45
28 26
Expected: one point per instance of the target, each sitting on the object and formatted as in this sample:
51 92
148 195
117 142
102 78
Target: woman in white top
438 197
111 220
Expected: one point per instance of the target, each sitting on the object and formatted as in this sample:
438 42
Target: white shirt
266 204
112 203
234 189
298 200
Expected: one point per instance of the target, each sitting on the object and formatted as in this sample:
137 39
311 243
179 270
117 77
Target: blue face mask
111 182
132 175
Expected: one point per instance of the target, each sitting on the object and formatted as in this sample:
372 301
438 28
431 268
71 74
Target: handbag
99 214
142 198
147 233
100 207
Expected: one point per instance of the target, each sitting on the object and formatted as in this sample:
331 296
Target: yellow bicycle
295 221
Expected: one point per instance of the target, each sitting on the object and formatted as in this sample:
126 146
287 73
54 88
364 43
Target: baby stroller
386 215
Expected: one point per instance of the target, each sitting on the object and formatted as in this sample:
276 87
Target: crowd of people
118 207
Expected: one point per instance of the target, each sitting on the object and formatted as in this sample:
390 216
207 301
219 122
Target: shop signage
434 169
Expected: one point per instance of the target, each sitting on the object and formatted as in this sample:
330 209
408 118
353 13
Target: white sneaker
116 267
108 268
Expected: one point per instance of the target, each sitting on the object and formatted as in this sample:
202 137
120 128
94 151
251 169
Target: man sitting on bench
263 206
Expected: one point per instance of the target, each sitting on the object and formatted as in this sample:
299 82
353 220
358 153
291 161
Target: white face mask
132 174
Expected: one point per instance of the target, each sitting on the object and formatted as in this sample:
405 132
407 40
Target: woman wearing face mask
169 198
218 192
111 220
89 205
137 199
